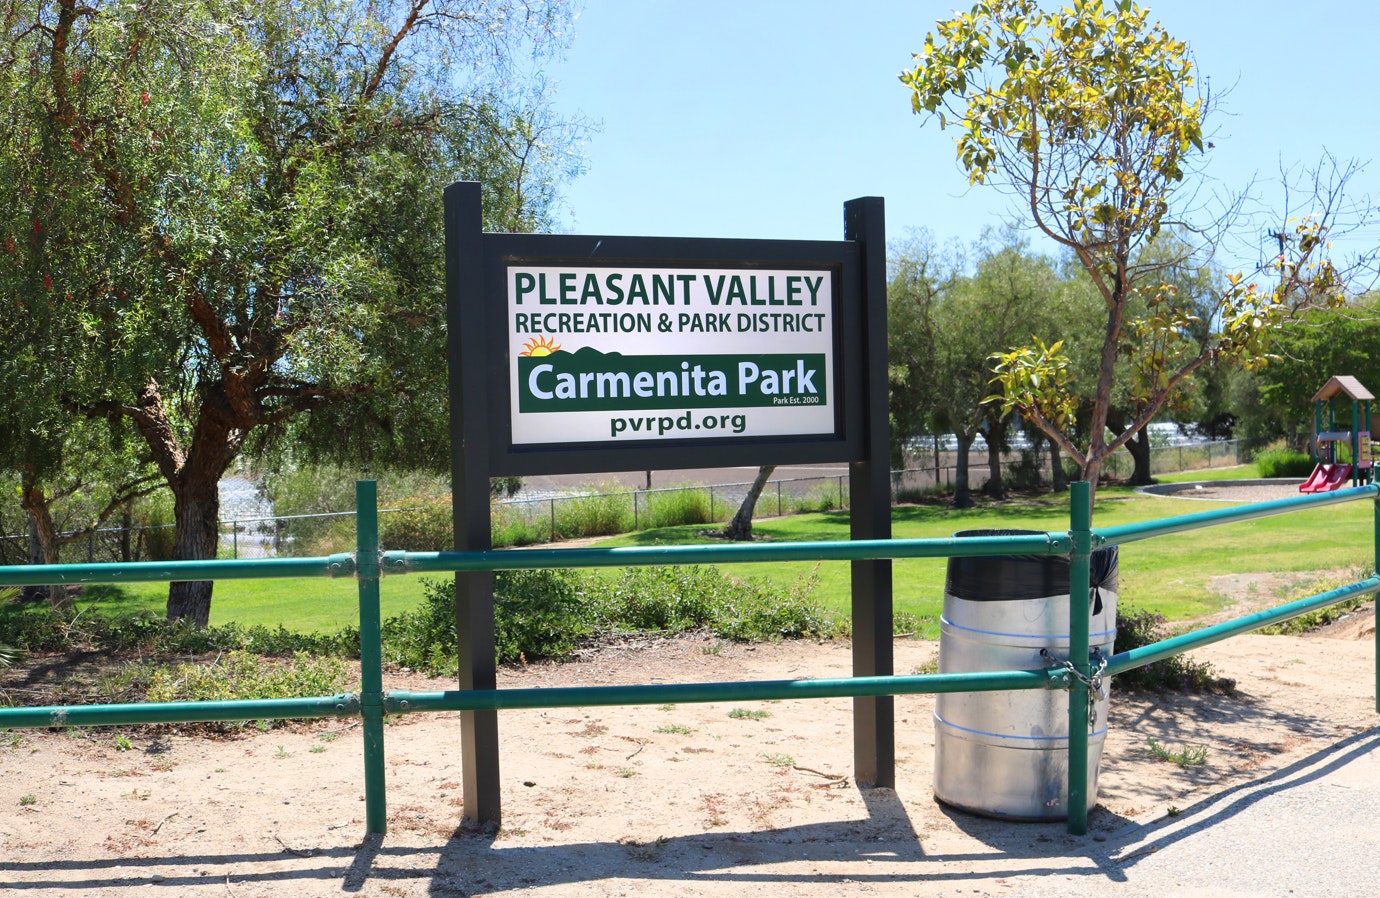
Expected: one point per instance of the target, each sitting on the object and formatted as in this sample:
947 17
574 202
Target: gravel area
1227 490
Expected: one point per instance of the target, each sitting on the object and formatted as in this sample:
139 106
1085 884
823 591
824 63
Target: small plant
137 795
282 753
745 714
1188 756
666 707
317 749
627 772
928 666
1179 673
122 743
675 728
1174 811
27 800
777 760
328 737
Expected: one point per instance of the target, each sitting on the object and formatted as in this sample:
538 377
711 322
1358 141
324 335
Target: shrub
243 675
1027 472
153 515
39 627
537 614
421 524
596 514
675 599
676 507
1178 673
1278 461
821 497
518 525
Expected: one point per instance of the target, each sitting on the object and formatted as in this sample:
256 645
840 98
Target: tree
740 528
1090 117
1327 343
77 487
954 322
229 214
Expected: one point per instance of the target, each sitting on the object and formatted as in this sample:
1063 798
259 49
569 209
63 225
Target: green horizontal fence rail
368 564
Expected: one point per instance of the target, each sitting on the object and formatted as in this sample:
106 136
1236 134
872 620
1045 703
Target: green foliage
607 510
1187 756
546 614
540 614
514 525
155 515
1344 341
244 675
1314 620
674 599
222 222
1179 673
1092 111
676 507
820 497
1280 461
537 614
419 525
41 628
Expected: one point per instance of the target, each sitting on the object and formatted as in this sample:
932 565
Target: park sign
574 354
643 353
581 354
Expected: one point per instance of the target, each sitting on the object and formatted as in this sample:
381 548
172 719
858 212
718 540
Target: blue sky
759 118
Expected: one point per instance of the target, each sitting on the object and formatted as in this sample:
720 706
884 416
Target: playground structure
1331 471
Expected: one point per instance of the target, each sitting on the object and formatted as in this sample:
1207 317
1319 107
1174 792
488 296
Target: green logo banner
590 380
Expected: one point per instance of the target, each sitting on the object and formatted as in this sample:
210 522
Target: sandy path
678 801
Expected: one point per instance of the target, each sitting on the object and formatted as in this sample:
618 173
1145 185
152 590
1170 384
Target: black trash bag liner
1016 578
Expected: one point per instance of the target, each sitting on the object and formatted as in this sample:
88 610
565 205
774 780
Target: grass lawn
1170 574
318 605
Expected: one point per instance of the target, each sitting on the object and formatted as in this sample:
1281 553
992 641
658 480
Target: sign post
578 354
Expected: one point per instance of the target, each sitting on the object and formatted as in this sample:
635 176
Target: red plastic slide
1325 479
1315 480
1337 479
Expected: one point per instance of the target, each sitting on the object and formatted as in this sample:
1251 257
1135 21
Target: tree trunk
33 593
44 545
126 524
194 478
196 538
740 528
962 497
995 487
1139 447
1056 466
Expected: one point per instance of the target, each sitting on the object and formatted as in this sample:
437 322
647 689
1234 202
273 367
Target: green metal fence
368 564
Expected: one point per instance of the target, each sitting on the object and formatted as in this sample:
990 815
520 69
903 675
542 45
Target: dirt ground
684 800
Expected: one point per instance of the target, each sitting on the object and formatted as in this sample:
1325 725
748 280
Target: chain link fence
533 519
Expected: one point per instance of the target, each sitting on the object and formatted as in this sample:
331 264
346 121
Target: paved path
1311 830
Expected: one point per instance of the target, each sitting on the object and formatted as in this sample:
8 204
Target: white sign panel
622 354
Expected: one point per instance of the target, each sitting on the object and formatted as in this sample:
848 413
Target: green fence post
370 653
1377 603
1080 577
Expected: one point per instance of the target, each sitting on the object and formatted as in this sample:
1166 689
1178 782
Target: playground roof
1341 383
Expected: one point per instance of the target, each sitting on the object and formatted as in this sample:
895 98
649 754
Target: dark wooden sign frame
482 445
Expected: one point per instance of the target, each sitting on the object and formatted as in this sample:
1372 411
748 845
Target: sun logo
540 346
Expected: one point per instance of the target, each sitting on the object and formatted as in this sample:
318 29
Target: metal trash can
1005 754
